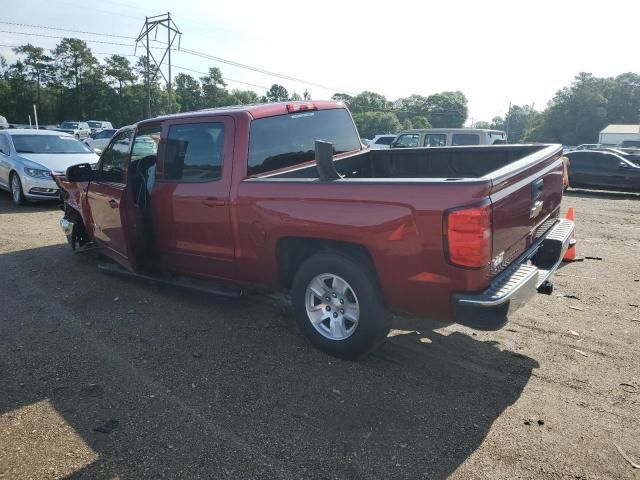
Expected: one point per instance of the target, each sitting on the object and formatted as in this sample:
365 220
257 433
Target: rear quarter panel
400 225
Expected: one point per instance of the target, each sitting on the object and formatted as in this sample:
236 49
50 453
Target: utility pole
151 26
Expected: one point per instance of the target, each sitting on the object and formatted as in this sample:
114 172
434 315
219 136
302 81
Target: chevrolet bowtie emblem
536 209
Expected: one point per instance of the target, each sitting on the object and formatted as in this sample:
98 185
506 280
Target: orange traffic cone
570 254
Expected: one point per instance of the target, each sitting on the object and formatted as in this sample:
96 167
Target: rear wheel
17 195
339 305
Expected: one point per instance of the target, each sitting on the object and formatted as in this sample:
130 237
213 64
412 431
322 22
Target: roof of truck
259 110
621 129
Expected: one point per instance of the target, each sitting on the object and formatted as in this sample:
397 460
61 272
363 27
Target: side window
384 140
435 140
408 140
113 159
145 144
465 139
605 161
194 152
4 144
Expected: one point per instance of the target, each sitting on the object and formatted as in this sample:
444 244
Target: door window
194 152
435 140
465 139
113 159
407 140
4 145
384 140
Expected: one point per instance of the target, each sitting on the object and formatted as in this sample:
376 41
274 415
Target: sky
495 52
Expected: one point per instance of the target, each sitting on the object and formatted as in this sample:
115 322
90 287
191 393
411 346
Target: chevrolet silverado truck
285 198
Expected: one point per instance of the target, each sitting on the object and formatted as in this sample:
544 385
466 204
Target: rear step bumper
517 284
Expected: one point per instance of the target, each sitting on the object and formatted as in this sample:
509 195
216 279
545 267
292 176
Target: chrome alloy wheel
332 306
15 187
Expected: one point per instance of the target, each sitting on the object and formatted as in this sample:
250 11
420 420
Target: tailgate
526 199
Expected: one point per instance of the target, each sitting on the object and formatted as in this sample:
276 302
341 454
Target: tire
328 326
17 194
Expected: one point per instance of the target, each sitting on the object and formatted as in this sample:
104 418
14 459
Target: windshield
69 125
95 124
105 134
48 144
285 140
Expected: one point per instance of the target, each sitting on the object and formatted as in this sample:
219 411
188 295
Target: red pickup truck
284 197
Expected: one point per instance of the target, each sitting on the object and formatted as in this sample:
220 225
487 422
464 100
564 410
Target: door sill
187 283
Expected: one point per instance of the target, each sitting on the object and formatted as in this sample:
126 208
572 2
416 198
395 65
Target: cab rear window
287 140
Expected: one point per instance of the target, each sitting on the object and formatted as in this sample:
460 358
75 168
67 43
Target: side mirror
81 173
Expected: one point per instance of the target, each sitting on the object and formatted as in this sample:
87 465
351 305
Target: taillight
469 236
301 107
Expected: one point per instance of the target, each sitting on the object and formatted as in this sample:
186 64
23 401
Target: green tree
369 102
576 114
244 97
342 97
214 89
38 65
118 68
375 123
623 95
188 92
447 109
482 124
277 93
295 97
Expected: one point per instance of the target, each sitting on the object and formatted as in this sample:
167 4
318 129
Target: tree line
70 83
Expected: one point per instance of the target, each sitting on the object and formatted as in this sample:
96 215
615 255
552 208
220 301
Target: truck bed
447 163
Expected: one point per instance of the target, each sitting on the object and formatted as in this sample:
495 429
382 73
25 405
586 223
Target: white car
80 130
381 142
29 157
98 125
99 141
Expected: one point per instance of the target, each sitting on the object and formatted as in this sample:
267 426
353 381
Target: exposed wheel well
293 251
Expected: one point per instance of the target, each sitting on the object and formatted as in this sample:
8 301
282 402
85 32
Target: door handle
213 202
113 203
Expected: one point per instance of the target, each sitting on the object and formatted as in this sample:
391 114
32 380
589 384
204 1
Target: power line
224 78
260 70
60 38
67 30
184 50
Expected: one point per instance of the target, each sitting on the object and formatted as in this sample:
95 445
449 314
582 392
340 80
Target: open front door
108 201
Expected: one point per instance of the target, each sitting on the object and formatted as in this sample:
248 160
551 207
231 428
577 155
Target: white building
616 134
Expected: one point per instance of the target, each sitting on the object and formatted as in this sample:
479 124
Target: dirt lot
102 377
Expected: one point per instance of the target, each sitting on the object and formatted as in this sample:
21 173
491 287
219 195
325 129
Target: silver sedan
28 157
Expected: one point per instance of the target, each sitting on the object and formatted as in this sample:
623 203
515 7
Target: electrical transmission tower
150 28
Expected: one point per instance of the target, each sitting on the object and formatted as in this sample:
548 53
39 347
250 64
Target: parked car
99 140
447 137
380 142
244 196
589 146
80 130
28 157
602 170
630 144
98 125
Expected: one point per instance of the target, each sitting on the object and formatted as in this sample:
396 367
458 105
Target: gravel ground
104 377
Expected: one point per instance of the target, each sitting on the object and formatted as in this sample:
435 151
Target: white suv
380 142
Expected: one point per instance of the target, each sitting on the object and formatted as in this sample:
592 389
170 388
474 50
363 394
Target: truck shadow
196 387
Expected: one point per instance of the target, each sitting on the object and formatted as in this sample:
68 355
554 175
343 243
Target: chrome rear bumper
517 284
